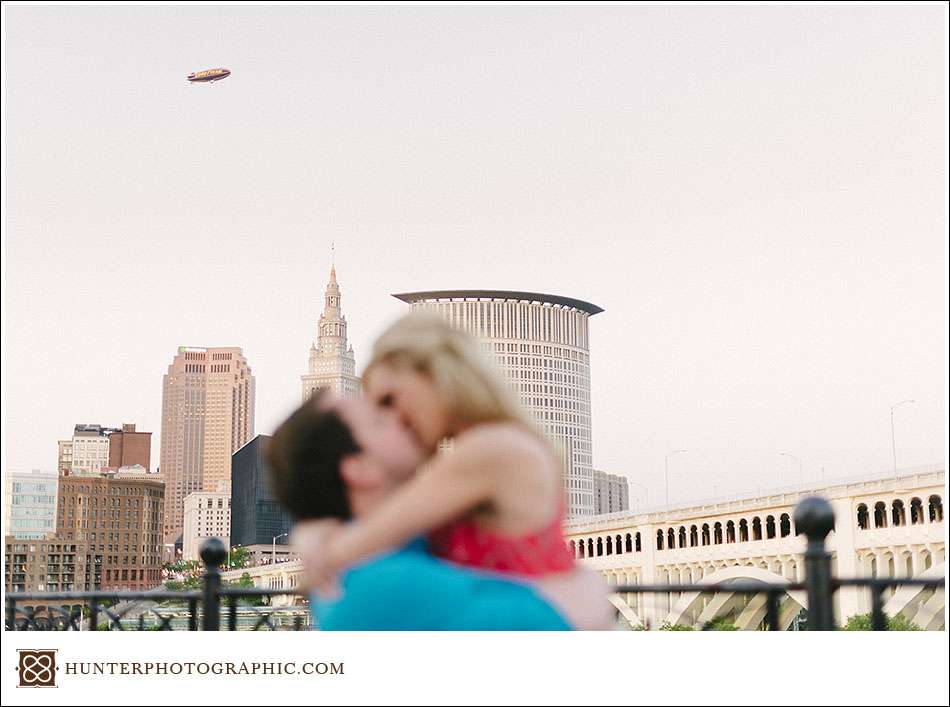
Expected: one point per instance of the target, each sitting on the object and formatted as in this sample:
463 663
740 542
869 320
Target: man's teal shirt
410 590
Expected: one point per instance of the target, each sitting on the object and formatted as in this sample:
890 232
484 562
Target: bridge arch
626 611
724 601
923 606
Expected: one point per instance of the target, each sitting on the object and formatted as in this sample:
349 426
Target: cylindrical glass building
541 343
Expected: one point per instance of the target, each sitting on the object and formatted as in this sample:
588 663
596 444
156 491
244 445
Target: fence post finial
815 517
213 553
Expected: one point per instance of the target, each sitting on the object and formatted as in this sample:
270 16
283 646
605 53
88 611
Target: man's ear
358 473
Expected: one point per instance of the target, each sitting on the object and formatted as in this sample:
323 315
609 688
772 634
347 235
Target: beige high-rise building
332 361
207 514
207 414
541 344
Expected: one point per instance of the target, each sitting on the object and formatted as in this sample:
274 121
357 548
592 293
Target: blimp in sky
209 75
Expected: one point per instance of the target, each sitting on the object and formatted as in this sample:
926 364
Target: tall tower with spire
332 361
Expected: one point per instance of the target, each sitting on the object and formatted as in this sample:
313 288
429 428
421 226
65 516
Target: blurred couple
395 534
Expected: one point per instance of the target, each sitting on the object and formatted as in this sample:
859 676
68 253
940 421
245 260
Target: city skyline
766 238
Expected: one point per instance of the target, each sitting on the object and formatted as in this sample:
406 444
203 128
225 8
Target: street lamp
273 554
667 467
893 438
801 479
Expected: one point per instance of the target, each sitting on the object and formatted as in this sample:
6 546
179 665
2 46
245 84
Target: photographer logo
37 668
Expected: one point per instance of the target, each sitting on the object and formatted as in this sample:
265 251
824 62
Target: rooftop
495 295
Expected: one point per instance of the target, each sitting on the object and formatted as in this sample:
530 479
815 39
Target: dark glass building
256 518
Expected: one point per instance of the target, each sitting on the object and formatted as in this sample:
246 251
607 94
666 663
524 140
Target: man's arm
582 598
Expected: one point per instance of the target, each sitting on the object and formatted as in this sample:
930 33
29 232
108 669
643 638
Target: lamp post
667 469
893 438
273 553
801 480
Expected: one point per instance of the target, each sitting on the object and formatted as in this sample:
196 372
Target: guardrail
67 611
204 607
815 518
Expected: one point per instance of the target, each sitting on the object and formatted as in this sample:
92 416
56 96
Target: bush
667 626
862 622
174 585
721 623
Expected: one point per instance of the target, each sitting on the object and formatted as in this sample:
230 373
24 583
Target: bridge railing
814 517
203 607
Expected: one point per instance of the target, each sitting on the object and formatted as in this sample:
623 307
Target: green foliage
182 575
720 623
239 558
189 583
245 582
101 603
862 622
901 623
182 566
173 585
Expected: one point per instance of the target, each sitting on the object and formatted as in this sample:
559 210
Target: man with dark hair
338 459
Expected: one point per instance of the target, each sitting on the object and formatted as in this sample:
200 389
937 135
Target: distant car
209 75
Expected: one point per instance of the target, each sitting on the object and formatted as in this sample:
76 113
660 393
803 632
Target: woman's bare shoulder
501 438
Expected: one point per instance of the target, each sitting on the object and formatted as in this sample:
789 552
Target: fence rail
66 611
813 516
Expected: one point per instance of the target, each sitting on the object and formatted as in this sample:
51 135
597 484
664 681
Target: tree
239 558
245 582
862 622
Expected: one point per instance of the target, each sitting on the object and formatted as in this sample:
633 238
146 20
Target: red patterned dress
532 554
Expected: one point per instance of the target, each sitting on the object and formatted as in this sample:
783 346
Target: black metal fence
97 611
204 607
814 517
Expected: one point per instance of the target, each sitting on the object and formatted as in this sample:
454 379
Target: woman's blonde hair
470 384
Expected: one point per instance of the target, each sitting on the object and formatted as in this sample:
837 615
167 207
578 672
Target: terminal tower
332 361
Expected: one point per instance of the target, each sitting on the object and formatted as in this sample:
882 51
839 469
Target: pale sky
755 195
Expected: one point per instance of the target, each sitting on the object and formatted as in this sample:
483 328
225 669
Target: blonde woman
495 501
